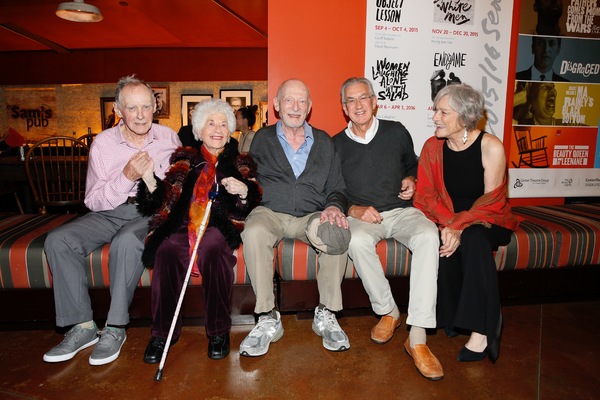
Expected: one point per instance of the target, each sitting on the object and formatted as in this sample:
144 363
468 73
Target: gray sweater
320 185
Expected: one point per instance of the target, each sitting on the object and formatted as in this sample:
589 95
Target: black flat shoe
451 332
466 355
154 350
493 347
218 346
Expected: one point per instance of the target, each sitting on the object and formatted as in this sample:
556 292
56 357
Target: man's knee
428 235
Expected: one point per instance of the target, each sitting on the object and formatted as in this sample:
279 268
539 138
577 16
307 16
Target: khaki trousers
264 228
410 227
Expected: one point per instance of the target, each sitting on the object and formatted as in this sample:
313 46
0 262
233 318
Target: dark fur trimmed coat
169 204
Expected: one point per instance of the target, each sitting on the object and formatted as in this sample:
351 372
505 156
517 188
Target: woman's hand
235 187
450 241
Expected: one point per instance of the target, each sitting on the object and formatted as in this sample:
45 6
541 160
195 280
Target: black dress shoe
154 350
466 355
218 346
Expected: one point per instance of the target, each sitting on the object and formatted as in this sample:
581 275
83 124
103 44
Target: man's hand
450 241
366 214
408 188
138 166
334 215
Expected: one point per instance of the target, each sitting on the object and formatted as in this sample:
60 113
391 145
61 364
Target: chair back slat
56 169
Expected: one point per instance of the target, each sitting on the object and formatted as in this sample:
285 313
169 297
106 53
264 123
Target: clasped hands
141 166
450 239
235 187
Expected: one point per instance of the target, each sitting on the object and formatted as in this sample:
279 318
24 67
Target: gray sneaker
325 325
76 339
109 347
267 330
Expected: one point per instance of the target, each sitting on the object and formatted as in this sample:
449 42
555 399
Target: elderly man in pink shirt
119 157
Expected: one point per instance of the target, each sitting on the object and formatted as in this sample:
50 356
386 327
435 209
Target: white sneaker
267 330
325 325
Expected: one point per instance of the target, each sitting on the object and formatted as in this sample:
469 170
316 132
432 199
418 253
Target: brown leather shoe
427 364
384 330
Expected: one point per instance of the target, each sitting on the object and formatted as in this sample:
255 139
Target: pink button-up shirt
106 186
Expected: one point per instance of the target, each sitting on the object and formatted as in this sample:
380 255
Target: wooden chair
88 137
532 152
56 169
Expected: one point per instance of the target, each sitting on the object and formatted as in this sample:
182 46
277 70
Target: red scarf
200 200
432 198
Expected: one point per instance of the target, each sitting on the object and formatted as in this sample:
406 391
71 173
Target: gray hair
466 101
208 107
129 80
352 81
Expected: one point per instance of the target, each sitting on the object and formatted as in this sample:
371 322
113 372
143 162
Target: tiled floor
548 352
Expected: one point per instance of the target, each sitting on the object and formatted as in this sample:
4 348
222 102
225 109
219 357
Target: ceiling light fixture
78 11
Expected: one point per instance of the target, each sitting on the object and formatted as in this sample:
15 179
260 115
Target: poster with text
414 48
555 147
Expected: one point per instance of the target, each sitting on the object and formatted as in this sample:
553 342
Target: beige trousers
410 227
264 228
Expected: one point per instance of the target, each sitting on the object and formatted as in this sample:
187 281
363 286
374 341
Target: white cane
199 235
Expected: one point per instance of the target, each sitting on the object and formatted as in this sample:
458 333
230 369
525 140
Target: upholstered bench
551 238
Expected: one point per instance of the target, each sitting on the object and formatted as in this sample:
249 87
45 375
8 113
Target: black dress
468 296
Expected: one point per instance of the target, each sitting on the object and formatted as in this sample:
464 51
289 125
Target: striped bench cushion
555 236
549 237
23 263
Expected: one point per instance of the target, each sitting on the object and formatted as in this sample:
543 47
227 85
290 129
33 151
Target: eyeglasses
351 101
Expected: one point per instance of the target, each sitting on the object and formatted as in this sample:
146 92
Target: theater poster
416 47
555 143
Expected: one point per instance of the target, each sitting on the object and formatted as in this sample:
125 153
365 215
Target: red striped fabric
23 263
550 237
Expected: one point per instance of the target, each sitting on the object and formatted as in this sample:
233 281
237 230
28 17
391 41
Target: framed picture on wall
237 98
263 109
188 102
107 113
161 96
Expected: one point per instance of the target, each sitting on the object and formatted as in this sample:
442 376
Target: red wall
322 43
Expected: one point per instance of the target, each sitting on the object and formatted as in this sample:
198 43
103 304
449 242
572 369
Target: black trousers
468 295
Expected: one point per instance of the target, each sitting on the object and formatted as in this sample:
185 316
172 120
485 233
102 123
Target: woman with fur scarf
177 205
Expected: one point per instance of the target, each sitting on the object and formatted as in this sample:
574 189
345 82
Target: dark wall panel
154 65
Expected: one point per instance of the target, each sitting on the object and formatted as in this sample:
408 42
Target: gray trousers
66 248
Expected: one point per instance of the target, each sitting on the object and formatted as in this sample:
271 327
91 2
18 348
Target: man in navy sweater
379 167
302 198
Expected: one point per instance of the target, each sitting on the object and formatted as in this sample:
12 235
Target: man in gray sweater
379 167
303 198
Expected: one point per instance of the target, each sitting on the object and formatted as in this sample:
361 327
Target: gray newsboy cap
326 237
